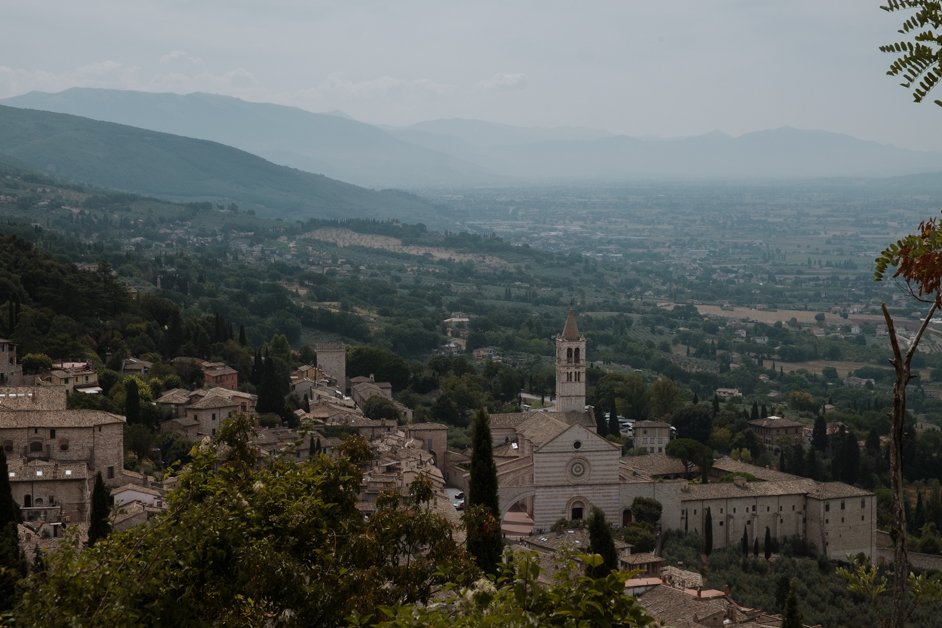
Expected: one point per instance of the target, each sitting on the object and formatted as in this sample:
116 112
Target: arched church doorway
626 517
517 521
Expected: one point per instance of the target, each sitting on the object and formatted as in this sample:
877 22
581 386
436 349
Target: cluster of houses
551 465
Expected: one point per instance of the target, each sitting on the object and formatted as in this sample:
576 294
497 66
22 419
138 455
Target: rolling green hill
183 169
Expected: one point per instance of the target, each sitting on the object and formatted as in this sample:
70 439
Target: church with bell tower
570 367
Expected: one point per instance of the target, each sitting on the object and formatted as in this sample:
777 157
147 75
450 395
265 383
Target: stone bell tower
570 367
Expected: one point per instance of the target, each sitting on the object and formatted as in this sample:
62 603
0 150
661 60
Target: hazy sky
643 68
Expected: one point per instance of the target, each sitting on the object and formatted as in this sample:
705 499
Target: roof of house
147 490
674 607
57 418
656 424
210 402
175 396
776 422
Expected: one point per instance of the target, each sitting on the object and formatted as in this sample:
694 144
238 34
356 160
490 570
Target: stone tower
332 359
570 367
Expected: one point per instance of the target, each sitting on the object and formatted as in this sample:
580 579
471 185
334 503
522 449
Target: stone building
652 435
11 373
332 360
775 431
53 454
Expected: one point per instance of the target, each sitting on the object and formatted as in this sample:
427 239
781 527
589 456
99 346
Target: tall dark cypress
99 526
482 518
483 485
132 401
601 543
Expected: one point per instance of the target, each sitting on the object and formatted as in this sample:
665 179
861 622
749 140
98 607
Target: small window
110 473
52 433
35 447
827 508
768 508
577 444
734 511
842 505
721 523
753 508
721 511
863 503
793 507
826 521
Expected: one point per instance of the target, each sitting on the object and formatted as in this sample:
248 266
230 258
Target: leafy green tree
601 543
519 597
483 523
240 544
646 510
100 521
379 407
665 398
919 63
691 452
695 422
34 363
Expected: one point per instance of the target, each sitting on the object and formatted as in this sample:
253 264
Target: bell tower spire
570 367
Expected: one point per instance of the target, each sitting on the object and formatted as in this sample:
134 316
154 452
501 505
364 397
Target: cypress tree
601 425
12 559
850 458
792 616
482 518
613 427
755 547
819 434
716 404
601 543
768 543
754 414
482 488
132 401
99 526
242 340
744 542
708 533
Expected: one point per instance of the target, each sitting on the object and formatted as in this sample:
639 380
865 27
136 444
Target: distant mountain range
472 152
179 168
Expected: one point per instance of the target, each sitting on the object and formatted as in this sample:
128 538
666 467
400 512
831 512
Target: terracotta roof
653 465
836 490
57 418
427 426
776 422
210 402
175 396
542 429
140 489
570 329
728 465
673 607
729 490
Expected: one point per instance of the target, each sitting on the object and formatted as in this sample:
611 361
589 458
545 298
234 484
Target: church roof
542 429
570 330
